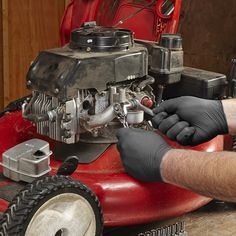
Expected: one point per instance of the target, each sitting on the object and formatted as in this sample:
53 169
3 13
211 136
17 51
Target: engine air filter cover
101 39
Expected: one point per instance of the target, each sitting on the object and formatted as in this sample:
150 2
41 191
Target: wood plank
5 54
208 30
29 27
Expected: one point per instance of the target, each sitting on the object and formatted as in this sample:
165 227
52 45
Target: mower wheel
53 206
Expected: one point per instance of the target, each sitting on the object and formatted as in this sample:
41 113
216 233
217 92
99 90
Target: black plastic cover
198 83
166 60
171 41
101 39
61 72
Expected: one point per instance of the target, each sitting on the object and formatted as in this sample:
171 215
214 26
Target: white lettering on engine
131 77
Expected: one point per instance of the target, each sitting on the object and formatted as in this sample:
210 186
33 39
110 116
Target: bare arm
230 113
209 174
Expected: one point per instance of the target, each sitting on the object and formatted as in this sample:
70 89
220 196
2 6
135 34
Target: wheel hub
63 215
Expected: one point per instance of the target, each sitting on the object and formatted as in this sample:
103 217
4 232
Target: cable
135 13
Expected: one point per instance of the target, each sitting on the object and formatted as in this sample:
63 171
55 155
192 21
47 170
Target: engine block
93 85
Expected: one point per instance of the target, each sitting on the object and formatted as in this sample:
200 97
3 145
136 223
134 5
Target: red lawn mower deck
99 79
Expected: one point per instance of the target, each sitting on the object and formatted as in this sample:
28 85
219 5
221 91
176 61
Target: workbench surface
215 219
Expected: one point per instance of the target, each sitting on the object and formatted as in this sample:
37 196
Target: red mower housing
124 200
149 24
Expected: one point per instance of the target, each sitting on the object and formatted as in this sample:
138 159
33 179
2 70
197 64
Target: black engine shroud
61 72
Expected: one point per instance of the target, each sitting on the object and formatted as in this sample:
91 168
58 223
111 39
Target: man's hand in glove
190 120
142 152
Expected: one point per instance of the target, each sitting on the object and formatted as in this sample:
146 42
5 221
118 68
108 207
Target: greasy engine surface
90 86
104 79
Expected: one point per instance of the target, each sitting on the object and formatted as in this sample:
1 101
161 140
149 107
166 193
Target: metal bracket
120 110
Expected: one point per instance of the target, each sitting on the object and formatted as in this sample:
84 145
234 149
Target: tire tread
29 197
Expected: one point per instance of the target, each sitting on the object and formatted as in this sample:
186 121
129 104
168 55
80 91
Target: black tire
25 204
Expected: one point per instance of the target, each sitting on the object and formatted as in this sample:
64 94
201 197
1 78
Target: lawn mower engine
87 89
82 94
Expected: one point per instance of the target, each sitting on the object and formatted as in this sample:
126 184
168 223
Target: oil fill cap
171 41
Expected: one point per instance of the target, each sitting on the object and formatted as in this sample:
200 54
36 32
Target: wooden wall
28 27
209 33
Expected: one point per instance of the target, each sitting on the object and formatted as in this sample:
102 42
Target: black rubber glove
190 120
142 152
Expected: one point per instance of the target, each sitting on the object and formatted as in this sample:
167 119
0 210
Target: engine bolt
67 134
56 91
68 117
95 133
29 82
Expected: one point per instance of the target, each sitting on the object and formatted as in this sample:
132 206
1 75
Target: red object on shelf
124 200
147 24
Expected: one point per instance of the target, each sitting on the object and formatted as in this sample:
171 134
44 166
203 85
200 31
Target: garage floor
215 219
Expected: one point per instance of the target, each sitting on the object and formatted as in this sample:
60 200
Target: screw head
56 91
29 83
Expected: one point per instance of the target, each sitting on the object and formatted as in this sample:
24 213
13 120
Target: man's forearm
230 113
210 174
